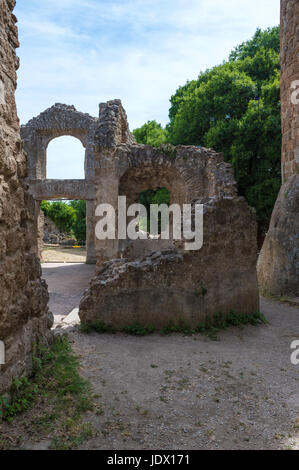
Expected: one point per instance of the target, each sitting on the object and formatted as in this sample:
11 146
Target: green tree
151 133
79 228
235 108
45 207
268 39
61 213
222 94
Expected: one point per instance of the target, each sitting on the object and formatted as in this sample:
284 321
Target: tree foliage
70 217
235 109
151 133
62 214
79 228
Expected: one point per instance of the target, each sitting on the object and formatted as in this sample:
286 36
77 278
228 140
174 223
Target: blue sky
84 52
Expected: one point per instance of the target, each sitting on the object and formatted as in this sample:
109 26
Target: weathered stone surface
110 129
113 128
289 84
24 315
278 261
60 120
169 285
174 285
188 172
278 265
57 121
52 234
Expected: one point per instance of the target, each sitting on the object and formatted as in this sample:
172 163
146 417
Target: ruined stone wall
278 264
24 316
289 85
172 284
57 121
169 284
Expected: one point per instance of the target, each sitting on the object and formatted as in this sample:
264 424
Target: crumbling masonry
24 316
278 265
158 284
151 281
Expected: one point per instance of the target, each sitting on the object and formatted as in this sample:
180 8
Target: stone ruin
60 120
278 265
151 281
149 286
53 235
24 315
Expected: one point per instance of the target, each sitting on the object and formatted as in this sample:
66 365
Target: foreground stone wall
174 285
278 265
166 285
24 315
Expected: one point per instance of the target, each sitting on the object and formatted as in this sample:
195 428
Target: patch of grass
74 435
212 325
137 329
57 391
98 327
180 327
22 396
209 327
101 327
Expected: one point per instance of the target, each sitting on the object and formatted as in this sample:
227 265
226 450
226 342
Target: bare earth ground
177 392
62 254
187 392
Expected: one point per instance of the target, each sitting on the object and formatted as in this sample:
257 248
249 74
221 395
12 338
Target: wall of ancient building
173 284
170 286
278 264
290 87
24 315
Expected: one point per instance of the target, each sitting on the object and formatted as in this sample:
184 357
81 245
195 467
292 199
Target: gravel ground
188 392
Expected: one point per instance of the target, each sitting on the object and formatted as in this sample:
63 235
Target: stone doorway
62 231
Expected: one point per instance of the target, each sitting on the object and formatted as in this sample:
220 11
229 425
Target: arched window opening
65 158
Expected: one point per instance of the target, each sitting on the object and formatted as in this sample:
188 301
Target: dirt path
66 284
177 392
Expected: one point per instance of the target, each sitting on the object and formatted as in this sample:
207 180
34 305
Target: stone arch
133 182
57 121
142 177
189 173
